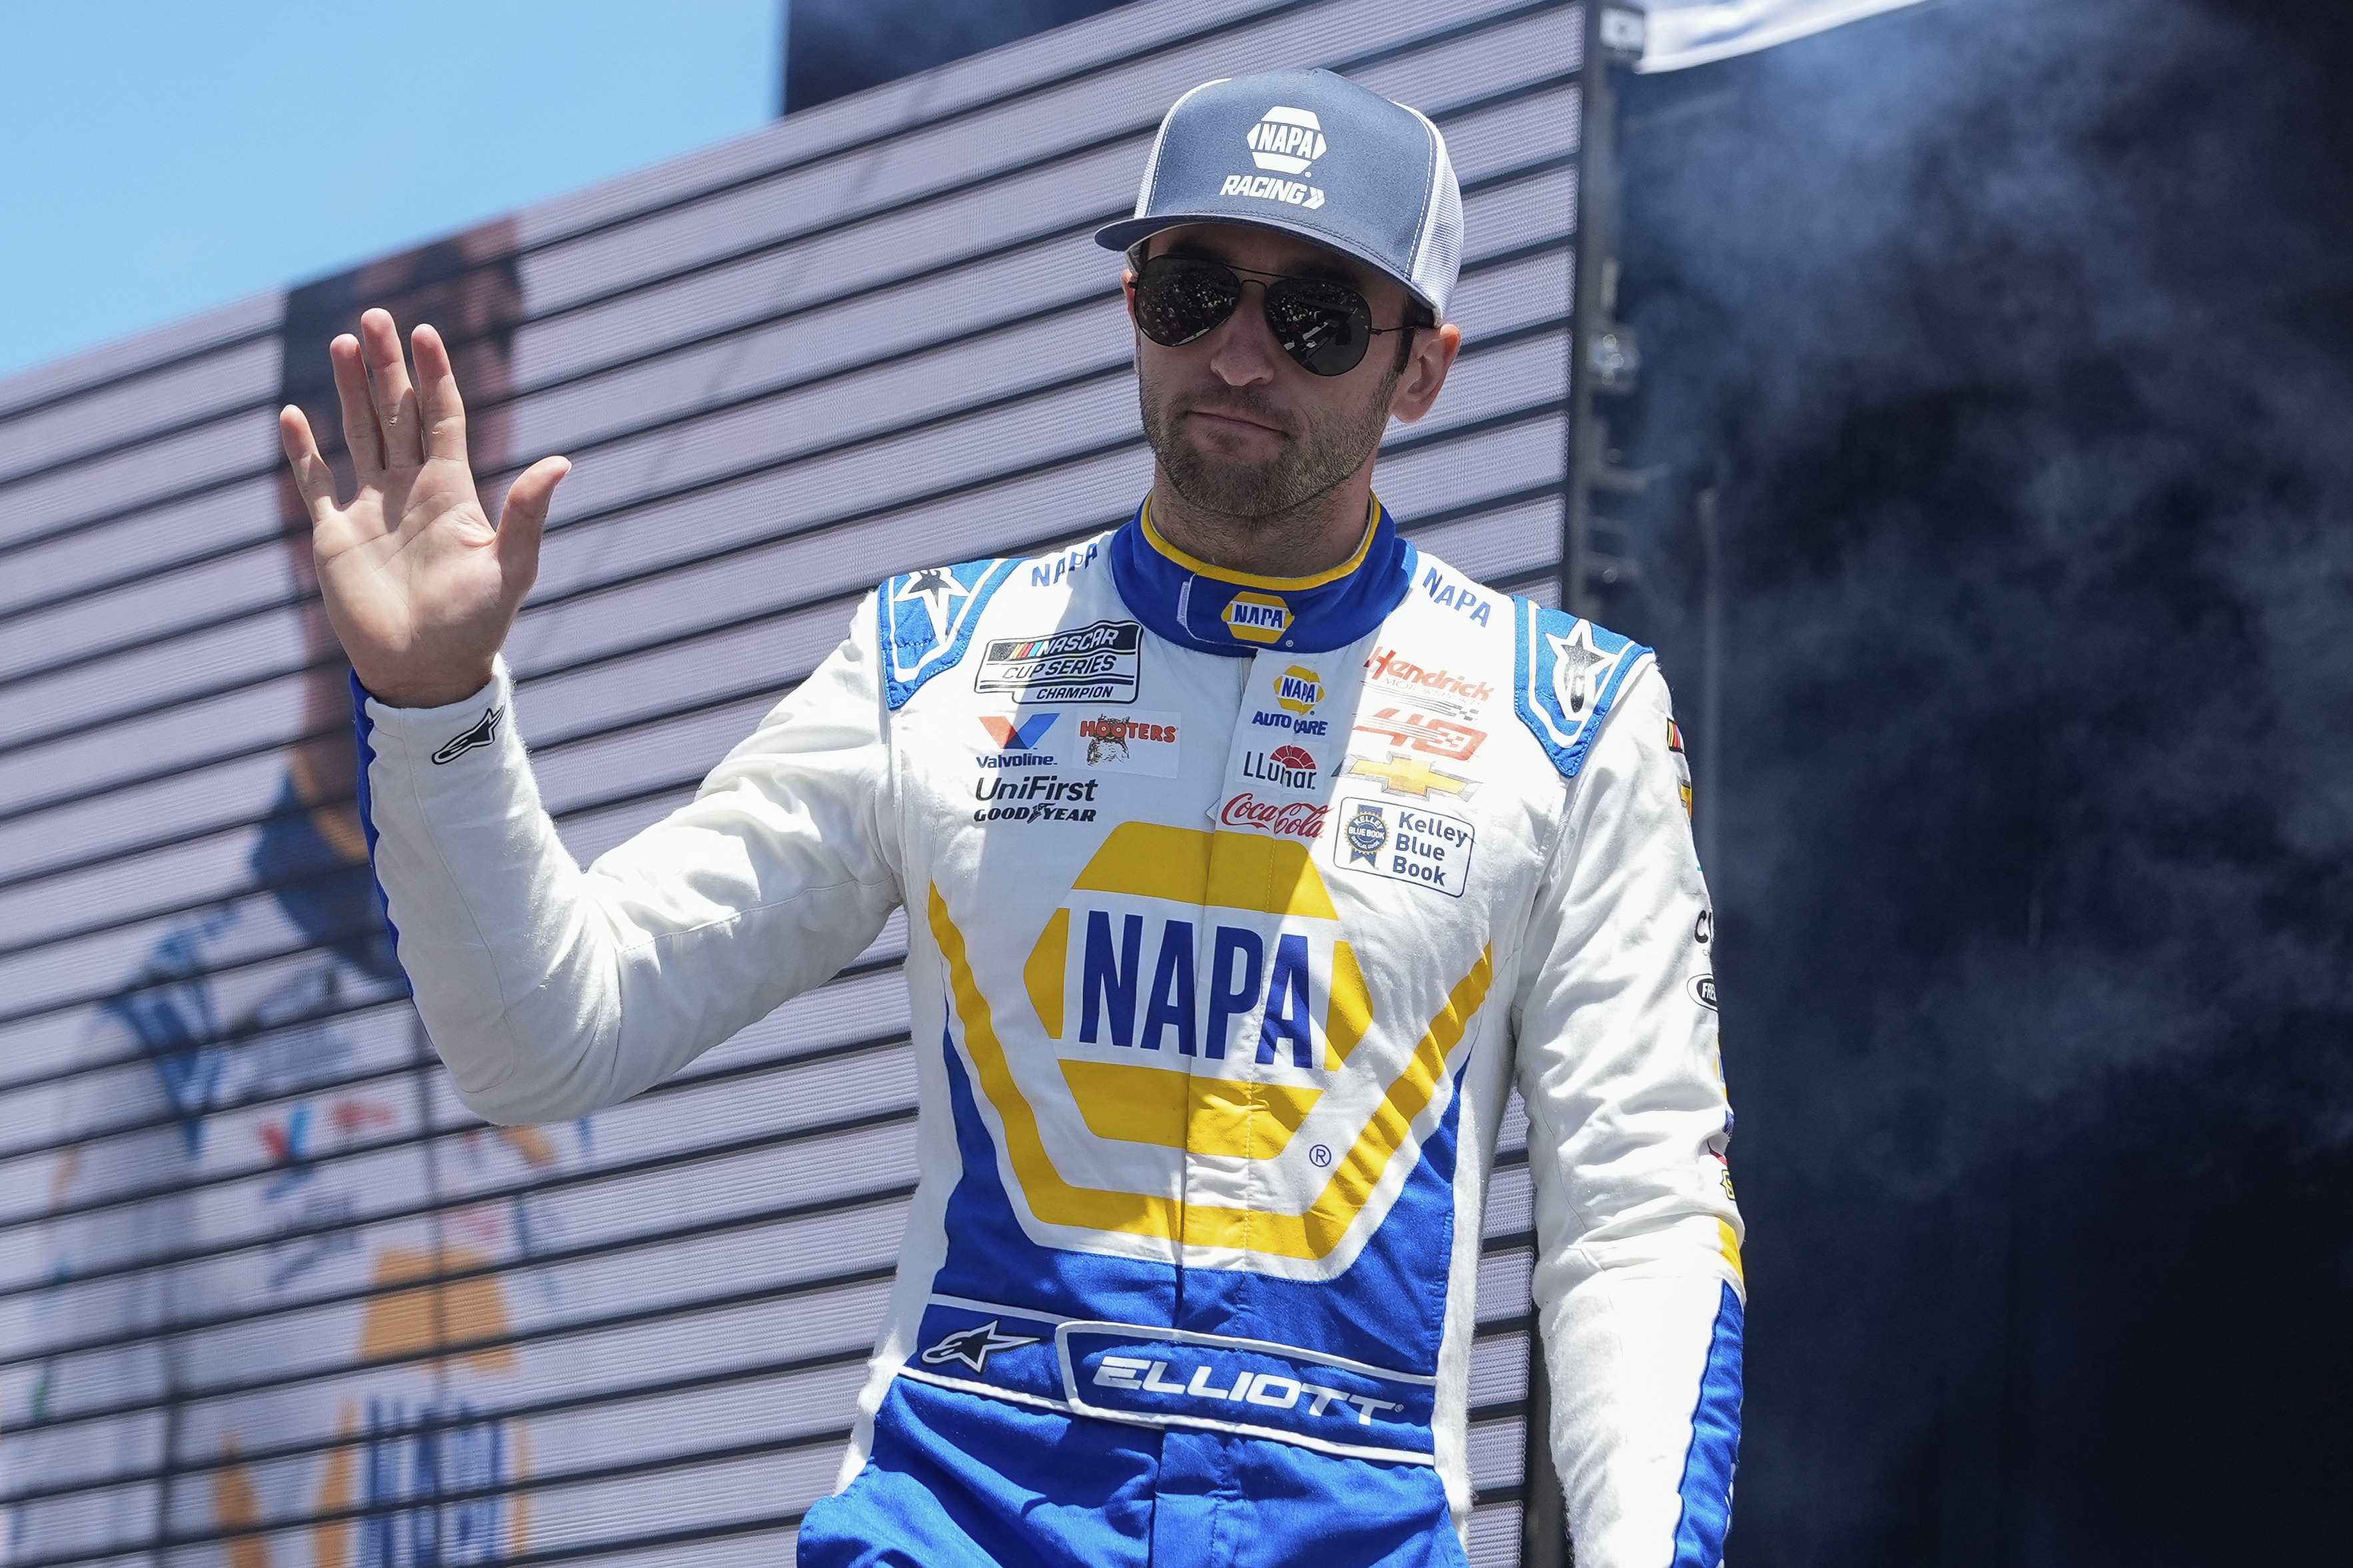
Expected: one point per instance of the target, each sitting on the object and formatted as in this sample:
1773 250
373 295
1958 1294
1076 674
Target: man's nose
1243 350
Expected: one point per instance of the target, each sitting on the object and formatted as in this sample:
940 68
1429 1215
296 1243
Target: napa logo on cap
1286 141
1257 618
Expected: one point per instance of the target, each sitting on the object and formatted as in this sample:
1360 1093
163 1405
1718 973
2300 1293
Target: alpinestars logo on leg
974 1346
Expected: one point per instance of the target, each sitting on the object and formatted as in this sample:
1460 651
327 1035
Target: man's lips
1234 420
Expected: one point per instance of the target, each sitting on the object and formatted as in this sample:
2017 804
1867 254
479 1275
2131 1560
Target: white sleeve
550 990
1638 1281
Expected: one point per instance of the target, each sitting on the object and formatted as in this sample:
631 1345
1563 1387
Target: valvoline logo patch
1023 736
1018 742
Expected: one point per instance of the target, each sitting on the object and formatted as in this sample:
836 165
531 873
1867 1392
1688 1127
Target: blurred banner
1679 33
269 1297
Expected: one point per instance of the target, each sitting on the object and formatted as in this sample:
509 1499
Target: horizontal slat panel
869 339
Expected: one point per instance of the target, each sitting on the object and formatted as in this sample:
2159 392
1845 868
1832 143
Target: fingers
361 437
523 522
444 411
311 475
388 389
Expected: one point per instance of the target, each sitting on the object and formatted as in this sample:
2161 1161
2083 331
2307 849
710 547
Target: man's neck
1315 536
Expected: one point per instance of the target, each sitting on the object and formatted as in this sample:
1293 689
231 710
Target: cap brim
1127 231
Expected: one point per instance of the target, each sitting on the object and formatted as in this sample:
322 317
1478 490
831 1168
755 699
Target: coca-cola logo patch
1291 818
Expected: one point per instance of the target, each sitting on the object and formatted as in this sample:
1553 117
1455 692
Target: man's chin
1232 489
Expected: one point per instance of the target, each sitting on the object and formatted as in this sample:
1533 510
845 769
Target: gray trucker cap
1312 155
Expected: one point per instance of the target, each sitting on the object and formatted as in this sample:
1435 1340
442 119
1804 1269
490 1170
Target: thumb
522 521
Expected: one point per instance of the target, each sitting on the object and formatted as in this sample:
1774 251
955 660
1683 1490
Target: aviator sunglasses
1325 327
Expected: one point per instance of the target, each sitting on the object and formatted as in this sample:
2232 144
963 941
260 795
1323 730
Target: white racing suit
1236 907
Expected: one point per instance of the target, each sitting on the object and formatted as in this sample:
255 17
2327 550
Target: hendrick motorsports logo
1092 664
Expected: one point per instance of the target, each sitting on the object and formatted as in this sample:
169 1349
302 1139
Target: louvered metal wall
268 1294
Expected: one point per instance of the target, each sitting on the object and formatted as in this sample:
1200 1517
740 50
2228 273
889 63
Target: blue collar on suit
1212 610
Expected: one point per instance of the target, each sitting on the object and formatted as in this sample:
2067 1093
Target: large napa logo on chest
1203 1064
1220 948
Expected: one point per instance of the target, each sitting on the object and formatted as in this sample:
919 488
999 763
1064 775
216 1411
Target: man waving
1251 856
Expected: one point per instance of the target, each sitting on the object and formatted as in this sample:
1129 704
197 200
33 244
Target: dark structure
835 47
1996 383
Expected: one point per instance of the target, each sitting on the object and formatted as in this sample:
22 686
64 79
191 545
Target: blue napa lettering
1248 615
413 1461
1112 982
1045 574
1291 723
1447 594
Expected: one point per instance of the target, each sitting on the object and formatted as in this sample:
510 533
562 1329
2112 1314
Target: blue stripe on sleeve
361 727
1714 1451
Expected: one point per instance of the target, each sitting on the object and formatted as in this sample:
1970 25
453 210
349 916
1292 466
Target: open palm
420 588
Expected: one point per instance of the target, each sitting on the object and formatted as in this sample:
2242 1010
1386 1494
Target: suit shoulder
1567 673
925 621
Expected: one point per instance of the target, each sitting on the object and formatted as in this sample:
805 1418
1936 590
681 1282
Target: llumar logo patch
1090 664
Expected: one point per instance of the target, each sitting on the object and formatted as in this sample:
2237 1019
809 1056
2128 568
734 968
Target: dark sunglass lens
1178 298
1324 326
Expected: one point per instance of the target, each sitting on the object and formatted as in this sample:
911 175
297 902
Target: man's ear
1425 371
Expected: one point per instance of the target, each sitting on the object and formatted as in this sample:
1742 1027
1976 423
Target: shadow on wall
2017 341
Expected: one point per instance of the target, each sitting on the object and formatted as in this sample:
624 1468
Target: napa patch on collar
1196 605
1569 672
925 620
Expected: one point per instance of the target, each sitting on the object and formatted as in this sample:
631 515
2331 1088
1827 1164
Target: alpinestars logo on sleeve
484 729
974 1346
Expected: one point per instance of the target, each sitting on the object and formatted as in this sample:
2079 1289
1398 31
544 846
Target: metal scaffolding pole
1602 361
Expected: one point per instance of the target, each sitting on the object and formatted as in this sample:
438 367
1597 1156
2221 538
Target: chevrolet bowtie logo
1402 775
975 1346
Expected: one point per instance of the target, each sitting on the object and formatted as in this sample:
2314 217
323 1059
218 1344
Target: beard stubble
1318 452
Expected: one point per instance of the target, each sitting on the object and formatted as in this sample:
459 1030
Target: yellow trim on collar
1200 568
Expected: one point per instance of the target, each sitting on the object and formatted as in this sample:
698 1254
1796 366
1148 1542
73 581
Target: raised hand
420 588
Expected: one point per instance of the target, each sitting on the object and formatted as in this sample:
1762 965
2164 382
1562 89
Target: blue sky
166 156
